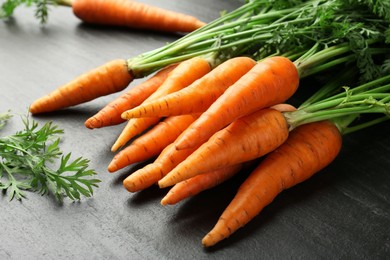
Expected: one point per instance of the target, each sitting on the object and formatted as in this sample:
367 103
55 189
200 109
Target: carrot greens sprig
41 7
27 162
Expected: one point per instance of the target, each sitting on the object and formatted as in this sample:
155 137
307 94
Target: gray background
343 212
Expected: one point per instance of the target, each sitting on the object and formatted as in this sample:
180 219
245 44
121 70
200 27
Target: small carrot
180 77
133 14
245 139
199 183
284 107
152 173
199 95
152 142
111 113
270 82
112 77
309 149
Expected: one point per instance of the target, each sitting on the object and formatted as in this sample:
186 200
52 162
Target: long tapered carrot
152 142
270 82
111 113
133 14
109 78
308 149
245 139
180 77
199 183
152 173
199 95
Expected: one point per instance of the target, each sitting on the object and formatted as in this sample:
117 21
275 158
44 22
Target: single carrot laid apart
152 142
112 77
309 149
180 77
199 95
245 139
272 81
152 173
199 183
111 113
133 14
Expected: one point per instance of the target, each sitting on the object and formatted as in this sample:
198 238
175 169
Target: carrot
152 142
152 173
180 77
199 183
245 139
309 149
284 107
134 15
270 82
199 95
111 77
111 113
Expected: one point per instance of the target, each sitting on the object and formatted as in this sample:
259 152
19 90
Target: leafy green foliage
28 162
41 8
4 118
378 7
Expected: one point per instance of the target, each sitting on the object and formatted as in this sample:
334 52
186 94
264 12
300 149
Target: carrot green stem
372 97
358 127
64 2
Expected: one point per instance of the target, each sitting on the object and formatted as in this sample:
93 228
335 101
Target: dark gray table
341 213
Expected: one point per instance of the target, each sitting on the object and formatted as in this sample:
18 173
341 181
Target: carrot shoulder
308 149
180 77
270 82
243 140
133 14
199 95
111 113
152 142
199 183
109 78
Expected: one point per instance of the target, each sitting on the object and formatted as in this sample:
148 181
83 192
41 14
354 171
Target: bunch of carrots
211 106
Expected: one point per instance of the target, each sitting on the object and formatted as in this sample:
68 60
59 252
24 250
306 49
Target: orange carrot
308 149
284 107
245 139
270 82
112 77
180 77
152 173
199 95
152 142
111 113
199 183
134 15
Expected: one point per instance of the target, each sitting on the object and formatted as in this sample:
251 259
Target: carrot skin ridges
199 95
152 173
152 142
180 77
270 82
109 78
245 139
199 183
133 14
111 113
308 149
